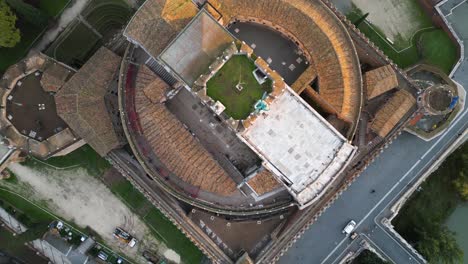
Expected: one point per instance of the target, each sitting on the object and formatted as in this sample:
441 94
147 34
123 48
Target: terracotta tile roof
54 77
263 182
80 103
157 22
324 39
379 81
392 112
181 153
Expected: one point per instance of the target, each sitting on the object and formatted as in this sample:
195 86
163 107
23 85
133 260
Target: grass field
222 87
432 46
84 157
53 7
438 49
24 209
161 227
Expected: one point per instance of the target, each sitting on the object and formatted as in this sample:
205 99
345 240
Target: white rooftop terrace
299 146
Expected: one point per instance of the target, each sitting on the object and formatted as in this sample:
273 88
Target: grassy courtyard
222 87
428 45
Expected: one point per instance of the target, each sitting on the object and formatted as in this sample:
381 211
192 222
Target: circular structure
32 110
322 37
240 162
438 99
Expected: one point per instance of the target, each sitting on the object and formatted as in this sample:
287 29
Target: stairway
161 71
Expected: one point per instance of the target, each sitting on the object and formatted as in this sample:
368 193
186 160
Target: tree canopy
461 183
10 35
28 13
439 245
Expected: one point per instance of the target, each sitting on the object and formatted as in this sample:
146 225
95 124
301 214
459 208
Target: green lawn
431 46
53 7
84 157
222 87
26 212
437 49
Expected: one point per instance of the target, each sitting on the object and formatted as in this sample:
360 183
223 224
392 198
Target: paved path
392 173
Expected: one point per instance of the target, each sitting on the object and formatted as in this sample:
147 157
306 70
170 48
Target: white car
349 227
132 242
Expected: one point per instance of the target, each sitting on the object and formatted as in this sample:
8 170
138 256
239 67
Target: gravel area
83 199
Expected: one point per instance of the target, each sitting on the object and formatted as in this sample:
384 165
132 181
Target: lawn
75 45
84 157
432 46
222 87
25 211
53 7
437 49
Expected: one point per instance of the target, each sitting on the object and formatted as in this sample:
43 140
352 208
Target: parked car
349 227
103 255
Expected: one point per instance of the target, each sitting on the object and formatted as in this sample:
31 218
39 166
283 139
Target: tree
438 245
461 182
28 13
360 20
10 35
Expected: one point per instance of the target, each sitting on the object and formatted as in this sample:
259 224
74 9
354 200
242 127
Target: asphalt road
391 174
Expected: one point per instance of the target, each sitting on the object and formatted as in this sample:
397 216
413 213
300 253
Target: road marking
391 190
375 245
373 209
398 195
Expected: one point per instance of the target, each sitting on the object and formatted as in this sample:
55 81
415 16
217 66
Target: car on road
349 227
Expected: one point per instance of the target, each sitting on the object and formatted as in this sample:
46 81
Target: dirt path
75 195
